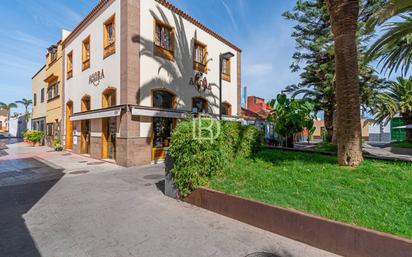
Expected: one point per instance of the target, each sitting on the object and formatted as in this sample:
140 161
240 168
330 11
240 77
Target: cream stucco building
132 69
38 119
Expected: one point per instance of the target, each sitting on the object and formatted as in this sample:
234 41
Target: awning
157 113
96 115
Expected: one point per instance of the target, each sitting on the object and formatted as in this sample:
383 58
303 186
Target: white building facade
132 69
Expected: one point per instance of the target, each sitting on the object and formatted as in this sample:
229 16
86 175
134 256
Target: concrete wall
17 126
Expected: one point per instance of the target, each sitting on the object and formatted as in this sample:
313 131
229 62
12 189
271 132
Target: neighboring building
17 126
53 78
258 105
3 120
379 133
320 126
133 68
244 97
38 86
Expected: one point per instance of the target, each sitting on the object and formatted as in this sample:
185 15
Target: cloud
230 14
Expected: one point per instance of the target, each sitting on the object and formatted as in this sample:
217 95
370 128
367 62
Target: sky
256 27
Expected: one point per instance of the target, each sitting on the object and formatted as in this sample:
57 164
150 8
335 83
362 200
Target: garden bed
376 195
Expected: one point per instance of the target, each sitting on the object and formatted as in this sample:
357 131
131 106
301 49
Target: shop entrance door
85 137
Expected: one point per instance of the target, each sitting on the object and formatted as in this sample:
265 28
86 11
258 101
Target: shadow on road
15 201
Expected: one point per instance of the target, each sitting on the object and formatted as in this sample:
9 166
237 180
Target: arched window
199 104
163 99
85 103
109 97
226 109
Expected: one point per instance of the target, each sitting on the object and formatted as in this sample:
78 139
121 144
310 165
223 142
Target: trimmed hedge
197 160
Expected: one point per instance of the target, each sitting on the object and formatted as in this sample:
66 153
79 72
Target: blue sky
257 27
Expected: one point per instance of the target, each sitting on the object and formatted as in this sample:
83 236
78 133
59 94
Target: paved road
113 211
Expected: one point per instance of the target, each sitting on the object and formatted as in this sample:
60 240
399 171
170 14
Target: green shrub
33 136
195 161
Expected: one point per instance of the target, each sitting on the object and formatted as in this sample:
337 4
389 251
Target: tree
344 23
8 107
394 47
26 103
396 99
290 116
315 57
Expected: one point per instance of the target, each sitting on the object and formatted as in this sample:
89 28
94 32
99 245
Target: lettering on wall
96 77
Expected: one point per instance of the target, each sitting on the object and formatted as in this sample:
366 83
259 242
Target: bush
33 136
57 145
197 160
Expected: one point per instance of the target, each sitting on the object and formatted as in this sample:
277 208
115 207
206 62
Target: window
226 109
70 65
85 103
42 95
53 91
163 40
226 69
35 99
163 99
200 57
49 129
109 37
162 127
199 105
86 54
109 98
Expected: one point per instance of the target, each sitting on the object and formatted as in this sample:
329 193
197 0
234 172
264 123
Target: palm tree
26 103
344 17
396 100
8 107
394 47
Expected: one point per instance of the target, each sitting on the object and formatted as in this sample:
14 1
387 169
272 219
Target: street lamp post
226 56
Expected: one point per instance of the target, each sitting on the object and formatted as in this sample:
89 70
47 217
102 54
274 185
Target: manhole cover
77 172
153 176
262 254
95 163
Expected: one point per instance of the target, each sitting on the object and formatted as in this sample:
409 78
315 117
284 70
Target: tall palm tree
396 100
8 107
26 103
394 47
344 17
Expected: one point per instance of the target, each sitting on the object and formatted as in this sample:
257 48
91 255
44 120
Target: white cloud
230 13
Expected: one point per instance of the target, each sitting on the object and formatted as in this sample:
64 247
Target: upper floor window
42 95
163 40
86 53
70 65
34 99
226 69
85 106
163 99
109 37
52 52
109 98
53 91
199 104
199 57
226 109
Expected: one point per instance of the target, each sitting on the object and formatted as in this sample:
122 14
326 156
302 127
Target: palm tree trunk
344 16
328 117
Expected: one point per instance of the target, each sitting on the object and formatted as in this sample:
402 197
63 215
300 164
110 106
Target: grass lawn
375 195
325 147
403 144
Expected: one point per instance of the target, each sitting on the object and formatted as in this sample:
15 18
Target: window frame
109 48
158 49
34 99
69 65
205 107
200 66
53 91
85 51
42 95
228 107
226 74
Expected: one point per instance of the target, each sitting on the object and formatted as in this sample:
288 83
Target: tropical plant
290 116
315 58
33 136
8 107
344 16
394 48
397 99
26 103
57 145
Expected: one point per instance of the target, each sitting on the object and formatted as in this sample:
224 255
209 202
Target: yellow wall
37 83
320 123
54 69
